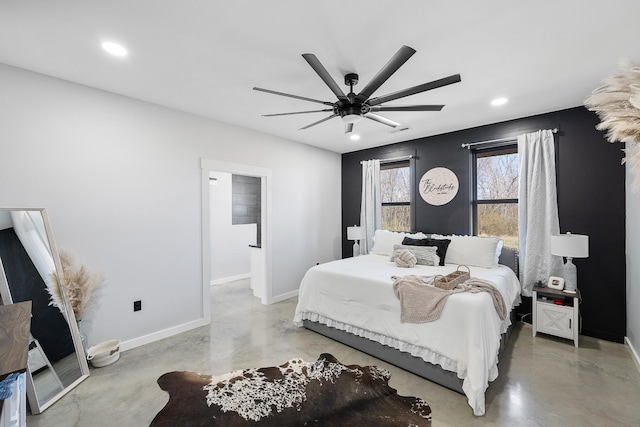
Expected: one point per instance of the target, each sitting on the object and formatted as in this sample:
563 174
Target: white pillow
439 236
473 251
384 240
418 235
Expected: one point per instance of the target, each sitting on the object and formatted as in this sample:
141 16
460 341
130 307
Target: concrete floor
543 381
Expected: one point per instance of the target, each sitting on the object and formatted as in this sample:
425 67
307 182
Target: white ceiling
205 56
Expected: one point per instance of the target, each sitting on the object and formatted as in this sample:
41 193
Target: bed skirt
401 359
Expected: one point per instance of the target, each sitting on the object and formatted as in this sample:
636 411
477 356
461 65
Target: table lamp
570 246
355 233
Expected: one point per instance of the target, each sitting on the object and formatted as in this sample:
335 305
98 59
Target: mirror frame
38 407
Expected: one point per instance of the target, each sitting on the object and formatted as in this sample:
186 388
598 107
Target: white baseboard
282 297
230 279
634 353
165 333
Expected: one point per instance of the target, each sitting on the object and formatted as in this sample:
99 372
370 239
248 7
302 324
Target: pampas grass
78 283
617 103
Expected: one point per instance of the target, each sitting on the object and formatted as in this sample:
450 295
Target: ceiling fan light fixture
115 49
351 118
499 101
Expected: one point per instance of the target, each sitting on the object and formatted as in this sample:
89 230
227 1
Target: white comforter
356 295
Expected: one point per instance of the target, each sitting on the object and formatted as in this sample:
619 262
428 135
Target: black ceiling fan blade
416 89
324 75
319 121
383 120
348 128
387 71
407 108
298 112
304 98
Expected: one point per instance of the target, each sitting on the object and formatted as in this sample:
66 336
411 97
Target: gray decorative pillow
425 255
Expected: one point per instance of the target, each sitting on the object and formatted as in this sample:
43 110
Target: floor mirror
28 259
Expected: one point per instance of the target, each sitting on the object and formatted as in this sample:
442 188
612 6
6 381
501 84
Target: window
496 194
395 191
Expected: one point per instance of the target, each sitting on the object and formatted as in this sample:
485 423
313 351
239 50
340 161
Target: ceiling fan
351 107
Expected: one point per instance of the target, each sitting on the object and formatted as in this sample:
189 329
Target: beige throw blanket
421 302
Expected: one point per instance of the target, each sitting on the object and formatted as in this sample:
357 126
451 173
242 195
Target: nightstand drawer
555 319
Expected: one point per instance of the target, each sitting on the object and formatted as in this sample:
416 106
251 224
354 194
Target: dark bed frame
404 360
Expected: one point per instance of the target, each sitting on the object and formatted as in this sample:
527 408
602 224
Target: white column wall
633 267
121 181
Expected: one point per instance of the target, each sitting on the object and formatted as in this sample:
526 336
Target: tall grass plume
77 283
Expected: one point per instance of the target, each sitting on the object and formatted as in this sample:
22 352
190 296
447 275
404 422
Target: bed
352 300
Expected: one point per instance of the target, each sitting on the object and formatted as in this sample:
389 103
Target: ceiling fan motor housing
343 109
351 111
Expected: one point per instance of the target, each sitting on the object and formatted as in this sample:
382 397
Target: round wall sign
438 186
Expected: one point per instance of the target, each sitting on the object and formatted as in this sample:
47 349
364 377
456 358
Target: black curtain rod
394 159
491 141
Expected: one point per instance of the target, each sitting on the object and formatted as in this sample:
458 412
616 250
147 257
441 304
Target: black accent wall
246 202
591 201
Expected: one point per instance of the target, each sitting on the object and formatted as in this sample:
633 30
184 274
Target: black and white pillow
440 244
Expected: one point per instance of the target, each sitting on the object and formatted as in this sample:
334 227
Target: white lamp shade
355 233
570 245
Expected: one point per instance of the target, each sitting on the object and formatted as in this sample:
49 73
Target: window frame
410 163
507 148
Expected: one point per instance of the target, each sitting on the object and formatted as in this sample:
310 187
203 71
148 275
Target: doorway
261 256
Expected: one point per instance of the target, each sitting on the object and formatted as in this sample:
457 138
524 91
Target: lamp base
356 249
570 277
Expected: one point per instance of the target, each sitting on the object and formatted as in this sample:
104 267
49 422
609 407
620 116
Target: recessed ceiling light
354 137
499 101
115 49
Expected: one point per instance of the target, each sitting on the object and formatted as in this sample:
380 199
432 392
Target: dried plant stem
617 103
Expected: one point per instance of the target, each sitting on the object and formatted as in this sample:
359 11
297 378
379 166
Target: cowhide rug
298 393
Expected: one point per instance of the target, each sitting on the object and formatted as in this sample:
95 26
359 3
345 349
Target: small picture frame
556 283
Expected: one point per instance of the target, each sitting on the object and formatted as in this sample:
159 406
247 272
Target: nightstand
561 320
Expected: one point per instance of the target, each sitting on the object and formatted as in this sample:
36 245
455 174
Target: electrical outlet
137 305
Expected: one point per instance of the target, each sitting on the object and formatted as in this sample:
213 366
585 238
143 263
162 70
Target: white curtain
29 227
371 206
537 209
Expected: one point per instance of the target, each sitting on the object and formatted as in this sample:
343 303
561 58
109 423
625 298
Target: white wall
121 181
633 266
5 220
229 243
